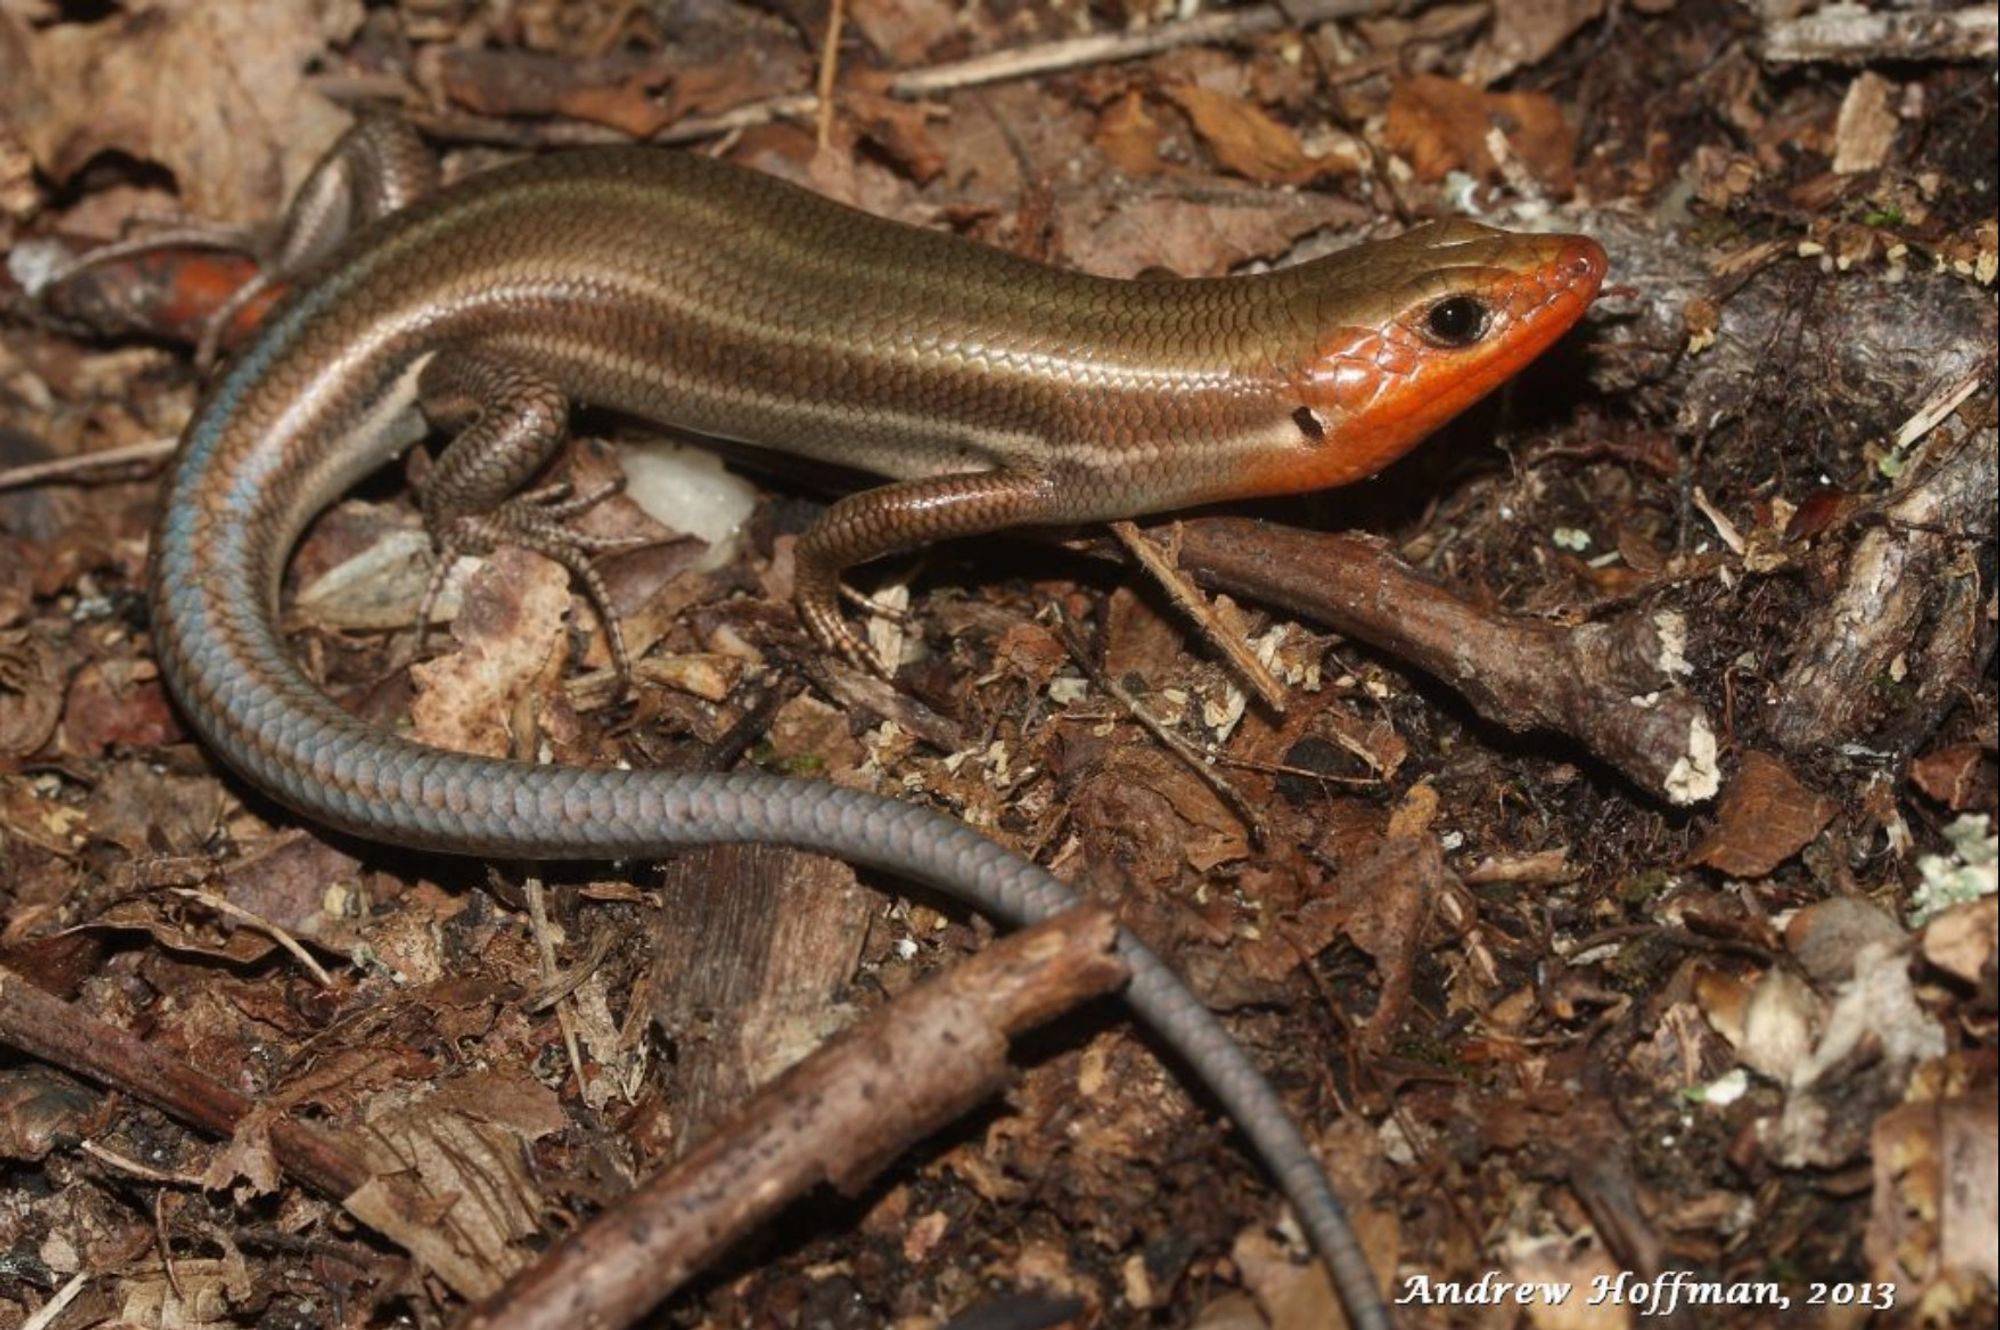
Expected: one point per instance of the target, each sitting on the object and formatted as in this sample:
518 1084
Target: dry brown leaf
1129 136
464 1146
1779 1024
40 1110
1685 1050
110 705
1526 32
1297 1296
904 31
30 692
1959 776
198 1294
1970 1141
1767 815
1382 906
208 91
1292 1296
628 106
900 128
714 86
1441 125
616 89
1934 1217
1414 816
809 737
248 1156
1538 1261
199 935
365 567
1207 833
1126 236
1246 140
1961 941
146 811
294 881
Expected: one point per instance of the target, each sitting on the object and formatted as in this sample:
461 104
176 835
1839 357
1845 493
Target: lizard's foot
536 520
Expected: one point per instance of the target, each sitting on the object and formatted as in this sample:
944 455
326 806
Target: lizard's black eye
1456 321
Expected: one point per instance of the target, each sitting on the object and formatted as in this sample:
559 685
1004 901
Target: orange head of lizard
1407 334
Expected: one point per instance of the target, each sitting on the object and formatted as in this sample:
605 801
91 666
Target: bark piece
754 949
1910 592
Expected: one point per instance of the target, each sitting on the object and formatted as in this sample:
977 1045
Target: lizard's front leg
903 516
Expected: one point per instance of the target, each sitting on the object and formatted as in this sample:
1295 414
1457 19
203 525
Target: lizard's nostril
1586 261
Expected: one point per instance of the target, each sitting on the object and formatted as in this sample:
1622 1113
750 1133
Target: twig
1307 773
526 729
545 957
558 985
1112 47
839 1117
995 67
137 1169
1901 595
1188 597
57 1032
829 69
1938 408
1197 761
262 925
165 1241
50 1310
86 465
1725 529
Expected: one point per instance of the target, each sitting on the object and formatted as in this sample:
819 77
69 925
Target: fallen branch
839 1117
88 468
66 1036
392 1204
1609 686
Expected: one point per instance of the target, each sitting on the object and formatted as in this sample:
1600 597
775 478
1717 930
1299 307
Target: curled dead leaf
1767 815
1249 142
31 695
1441 125
1130 136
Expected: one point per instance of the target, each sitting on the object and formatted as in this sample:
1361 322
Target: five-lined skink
993 391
